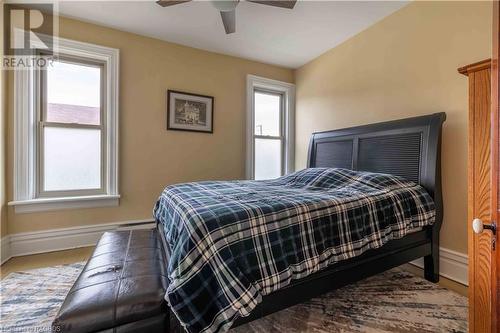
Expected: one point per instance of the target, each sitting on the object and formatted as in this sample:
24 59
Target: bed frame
408 147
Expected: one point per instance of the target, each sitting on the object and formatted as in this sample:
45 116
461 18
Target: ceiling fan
227 8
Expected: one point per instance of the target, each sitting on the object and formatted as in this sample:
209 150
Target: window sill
51 204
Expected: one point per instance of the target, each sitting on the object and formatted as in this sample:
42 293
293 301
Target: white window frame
26 197
287 90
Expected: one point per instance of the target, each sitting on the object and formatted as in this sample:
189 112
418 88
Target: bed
402 154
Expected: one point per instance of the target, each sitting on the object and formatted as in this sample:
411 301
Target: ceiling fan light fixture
225 5
227 8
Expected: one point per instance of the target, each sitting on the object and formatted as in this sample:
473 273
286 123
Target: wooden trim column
479 196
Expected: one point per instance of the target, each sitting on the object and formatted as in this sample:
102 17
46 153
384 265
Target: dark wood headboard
409 147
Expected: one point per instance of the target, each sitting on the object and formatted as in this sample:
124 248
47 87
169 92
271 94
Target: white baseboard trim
4 249
452 265
62 239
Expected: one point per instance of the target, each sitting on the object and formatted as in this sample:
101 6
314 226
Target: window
71 130
66 138
270 139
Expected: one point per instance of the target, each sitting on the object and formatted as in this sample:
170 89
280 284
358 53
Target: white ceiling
289 38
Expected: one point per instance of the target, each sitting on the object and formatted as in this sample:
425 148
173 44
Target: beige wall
150 156
3 210
405 65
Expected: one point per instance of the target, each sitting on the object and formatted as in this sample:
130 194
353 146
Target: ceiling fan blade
166 3
289 4
229 20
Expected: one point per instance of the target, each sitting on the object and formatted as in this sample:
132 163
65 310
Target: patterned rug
394 301
29 300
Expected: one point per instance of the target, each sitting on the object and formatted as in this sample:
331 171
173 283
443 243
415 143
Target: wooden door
483 177
479 195
495 159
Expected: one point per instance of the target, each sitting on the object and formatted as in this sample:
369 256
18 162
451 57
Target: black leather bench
121 288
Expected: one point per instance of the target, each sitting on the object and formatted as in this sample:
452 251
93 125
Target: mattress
230 243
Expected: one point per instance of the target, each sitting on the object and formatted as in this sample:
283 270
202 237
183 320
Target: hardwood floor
45 260
444 282
82 254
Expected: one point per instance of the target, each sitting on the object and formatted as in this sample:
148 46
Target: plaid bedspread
232 242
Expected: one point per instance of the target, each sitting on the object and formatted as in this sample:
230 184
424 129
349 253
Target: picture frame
189 112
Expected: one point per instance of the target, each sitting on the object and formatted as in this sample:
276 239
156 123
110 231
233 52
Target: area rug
30 299
394 301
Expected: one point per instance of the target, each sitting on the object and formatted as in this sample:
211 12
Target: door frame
495 126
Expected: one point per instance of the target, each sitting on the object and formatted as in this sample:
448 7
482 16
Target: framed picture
189 112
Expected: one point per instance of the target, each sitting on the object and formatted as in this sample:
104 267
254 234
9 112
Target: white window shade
267 159
72 159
